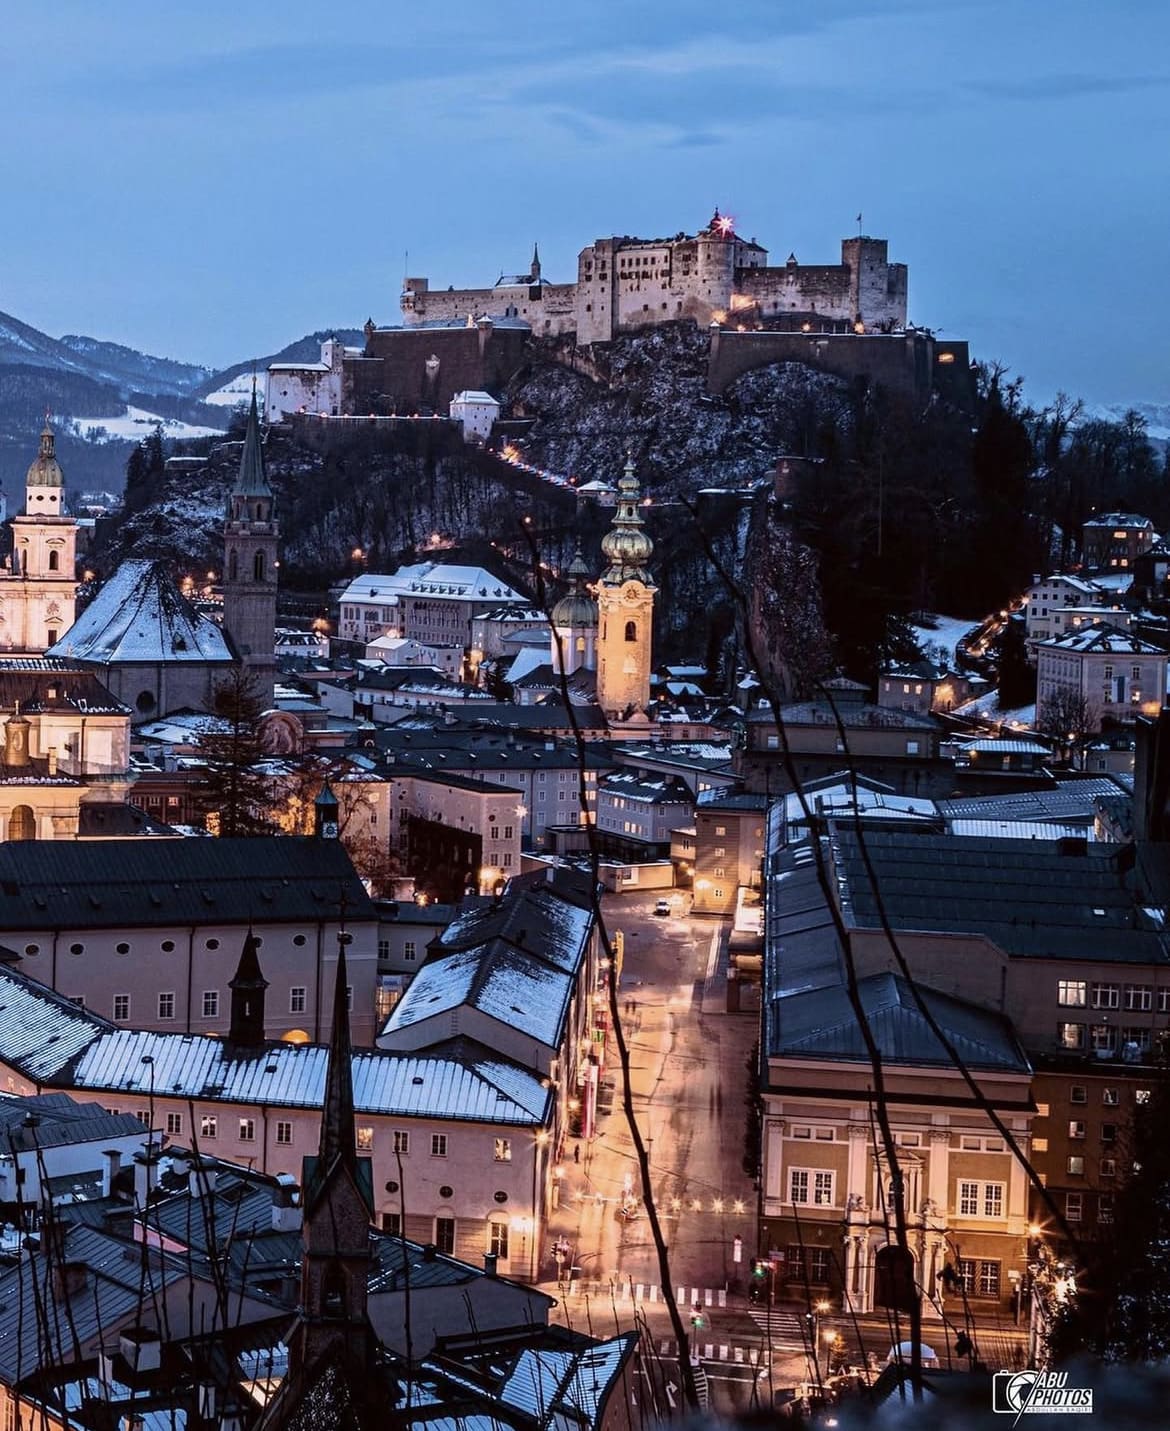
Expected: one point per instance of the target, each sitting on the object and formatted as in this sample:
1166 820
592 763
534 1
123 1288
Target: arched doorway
22 823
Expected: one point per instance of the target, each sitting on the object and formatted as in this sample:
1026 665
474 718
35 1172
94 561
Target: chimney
490 1261
145 1174
141 1348
286 1204
205 1171
16 740
69 1278
111 1162
52 759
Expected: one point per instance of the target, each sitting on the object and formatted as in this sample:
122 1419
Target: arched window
54 560
233 564
580 644
258 567
631 630
22 823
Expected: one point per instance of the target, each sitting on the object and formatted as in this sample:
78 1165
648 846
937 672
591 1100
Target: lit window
1070 993
1076 1165
209 1126
502 1152
247 1130
498 1240
365 1140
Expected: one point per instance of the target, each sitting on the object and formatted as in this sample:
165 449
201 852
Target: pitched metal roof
57 686
822 1024
59 884
141 617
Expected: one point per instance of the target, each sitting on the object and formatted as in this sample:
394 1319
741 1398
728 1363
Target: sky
210 182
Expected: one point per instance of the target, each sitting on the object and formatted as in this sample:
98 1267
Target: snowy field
237 390
136 422
945 632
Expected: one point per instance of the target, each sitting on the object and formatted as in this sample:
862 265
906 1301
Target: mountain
1155 414
139 372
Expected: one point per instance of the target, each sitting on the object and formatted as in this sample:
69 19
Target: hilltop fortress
714 276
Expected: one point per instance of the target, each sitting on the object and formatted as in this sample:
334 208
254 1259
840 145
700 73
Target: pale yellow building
38 590
625 607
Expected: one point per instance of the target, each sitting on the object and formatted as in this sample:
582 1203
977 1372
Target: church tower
38 591
574 623
250 565
625 606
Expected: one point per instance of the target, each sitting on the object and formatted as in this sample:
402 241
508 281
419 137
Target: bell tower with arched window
38 590
625 607
250 565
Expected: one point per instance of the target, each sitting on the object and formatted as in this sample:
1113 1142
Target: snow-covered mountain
142 371
1156 414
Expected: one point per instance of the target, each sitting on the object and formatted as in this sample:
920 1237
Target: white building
430 601
1116 674
477 411
1060 603
306 387
406 651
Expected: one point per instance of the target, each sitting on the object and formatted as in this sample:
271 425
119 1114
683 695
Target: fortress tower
625 606
250 565
38 592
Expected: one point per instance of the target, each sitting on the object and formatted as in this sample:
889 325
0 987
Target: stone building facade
624 283
38 589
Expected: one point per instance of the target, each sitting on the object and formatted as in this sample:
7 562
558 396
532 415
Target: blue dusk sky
210 181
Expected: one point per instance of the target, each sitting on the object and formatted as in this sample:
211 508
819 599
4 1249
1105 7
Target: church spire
535 263
251 481
337 1151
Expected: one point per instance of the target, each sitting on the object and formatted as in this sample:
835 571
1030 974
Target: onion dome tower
625 606
574 622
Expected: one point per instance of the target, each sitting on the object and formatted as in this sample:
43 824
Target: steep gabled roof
141 617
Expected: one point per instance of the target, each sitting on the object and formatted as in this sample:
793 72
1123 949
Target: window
409 949
1164 1000
211 1003
1108 1167
993 1200
296 999
968 1199
383 948
121 1008
911 747
1139 998
1103 1037
283 1132
438 1145
811 1186
1105 1207
1076 1166
1076 1128
988 1279
1105 996
247 1130
1073 1203
445 1235
1070 993
349 998
507 832
1070 1035
968 1271
1140 1038
365 1140
1111 1097
174 1125
1078 1093
1141 1095
498 1239
1039 1145
209 1126
631 630
401 1140
166 1006
503 1150
1109 1132
392 1223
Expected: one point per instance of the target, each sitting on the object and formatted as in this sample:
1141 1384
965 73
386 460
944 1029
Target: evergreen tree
235 793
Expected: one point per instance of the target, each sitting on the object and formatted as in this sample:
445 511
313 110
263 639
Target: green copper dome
577 607
45 470
626 544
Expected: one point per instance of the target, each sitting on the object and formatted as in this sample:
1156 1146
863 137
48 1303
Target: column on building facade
858 1253
774 1171
1017 1204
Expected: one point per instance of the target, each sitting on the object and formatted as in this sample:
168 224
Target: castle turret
625 606
251 535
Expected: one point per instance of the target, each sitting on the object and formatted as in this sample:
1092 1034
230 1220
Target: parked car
662 907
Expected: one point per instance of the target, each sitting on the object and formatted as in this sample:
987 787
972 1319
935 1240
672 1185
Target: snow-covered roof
471 395
528 659
432 579
1099 636
54 1041
1119 520
140 615
1077 583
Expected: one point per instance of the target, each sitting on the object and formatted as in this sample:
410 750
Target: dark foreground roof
60 884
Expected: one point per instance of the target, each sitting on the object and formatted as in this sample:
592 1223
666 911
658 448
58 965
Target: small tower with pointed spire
333 1328
250 570
248 985
625 606
535 274
325 812
38 591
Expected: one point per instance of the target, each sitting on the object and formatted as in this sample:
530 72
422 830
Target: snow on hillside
945 632
1156 414
135 422
235 391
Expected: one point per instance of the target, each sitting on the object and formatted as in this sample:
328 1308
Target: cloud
1069 86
